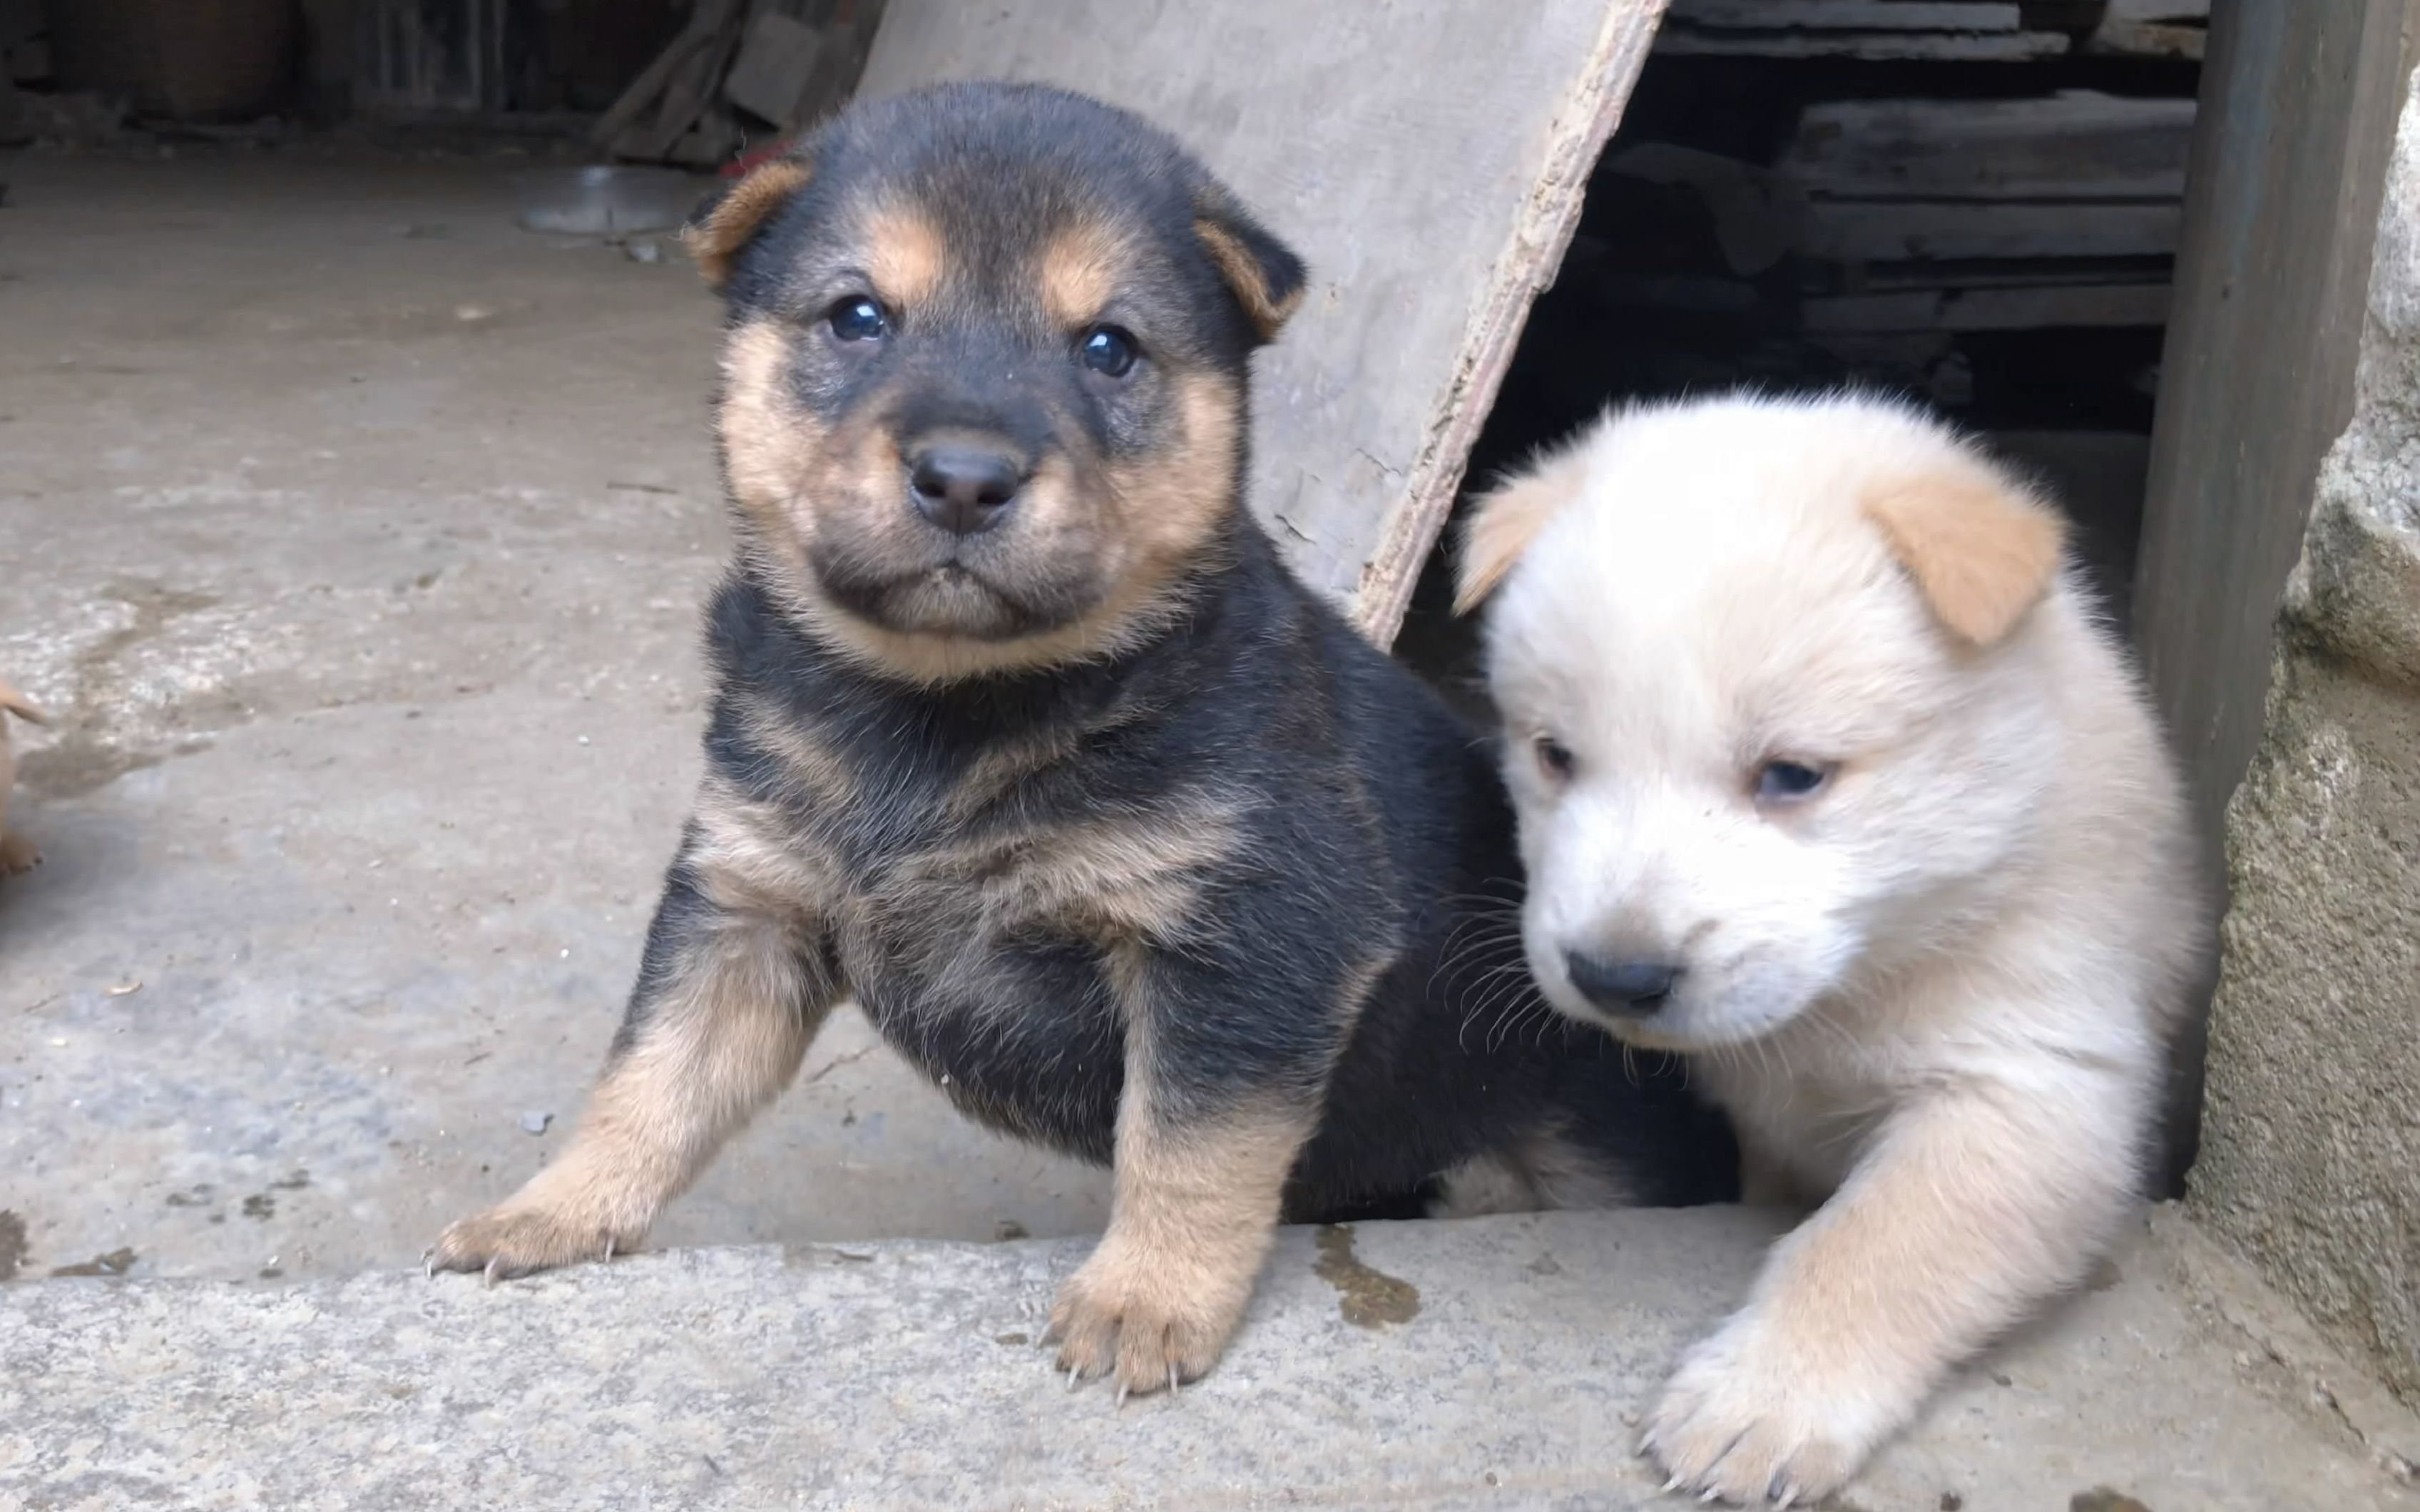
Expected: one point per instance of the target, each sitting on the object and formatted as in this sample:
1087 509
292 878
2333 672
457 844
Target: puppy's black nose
1633 988
964 490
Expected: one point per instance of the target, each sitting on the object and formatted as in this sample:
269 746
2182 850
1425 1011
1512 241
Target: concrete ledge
905 1376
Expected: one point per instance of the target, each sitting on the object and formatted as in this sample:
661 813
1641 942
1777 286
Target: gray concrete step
906 1375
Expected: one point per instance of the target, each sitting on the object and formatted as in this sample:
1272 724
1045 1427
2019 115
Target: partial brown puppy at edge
17 855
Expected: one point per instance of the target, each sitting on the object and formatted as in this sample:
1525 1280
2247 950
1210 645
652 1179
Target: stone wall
2311 1136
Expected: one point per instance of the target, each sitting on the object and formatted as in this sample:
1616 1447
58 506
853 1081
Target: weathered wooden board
2074 145
1899 230
2153 29
1849 15
2299 103
1935 47
1990 309
776 59
1427 156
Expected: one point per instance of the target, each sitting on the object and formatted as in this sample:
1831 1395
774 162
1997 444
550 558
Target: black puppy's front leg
1226 1069
736 980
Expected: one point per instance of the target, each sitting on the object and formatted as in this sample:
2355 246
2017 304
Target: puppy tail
20 706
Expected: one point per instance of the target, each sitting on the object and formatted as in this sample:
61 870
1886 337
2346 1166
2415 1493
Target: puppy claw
1738 1423
520 1239
1120 1318
428 1262
1121 1403
1672 1485
488 1273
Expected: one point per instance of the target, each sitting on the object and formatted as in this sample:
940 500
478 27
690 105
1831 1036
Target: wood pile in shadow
1976 203
740 72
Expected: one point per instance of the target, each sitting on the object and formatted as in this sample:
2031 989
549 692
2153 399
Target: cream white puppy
1828 777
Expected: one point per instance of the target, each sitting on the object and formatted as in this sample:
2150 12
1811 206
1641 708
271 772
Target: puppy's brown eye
1790 782
1110 351
857 318
1554 757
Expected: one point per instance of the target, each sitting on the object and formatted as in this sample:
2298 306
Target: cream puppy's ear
1982 551
1506 520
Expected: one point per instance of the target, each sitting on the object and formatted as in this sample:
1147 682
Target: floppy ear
20 706
725 225
1505 520
1266 275
1982 551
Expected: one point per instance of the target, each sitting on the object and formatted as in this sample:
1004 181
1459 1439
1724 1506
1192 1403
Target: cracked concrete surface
356 539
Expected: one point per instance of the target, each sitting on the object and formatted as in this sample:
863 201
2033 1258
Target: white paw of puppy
1747 1419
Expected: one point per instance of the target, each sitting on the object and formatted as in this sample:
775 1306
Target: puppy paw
1123 1315
18 856
1746 1420
518 1240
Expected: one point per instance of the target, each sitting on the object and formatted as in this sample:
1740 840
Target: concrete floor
356 539
1505 1375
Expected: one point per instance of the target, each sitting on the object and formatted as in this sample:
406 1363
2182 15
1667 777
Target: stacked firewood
1976 203
1972 31
740 71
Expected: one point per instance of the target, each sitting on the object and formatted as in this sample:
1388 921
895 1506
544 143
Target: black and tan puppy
1023 735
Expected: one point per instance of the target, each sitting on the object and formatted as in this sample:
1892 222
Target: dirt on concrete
1366 1297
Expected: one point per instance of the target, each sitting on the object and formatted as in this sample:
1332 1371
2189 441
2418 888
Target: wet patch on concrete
95 747
2101 1498
12 1245
76 765
117 1262
260 1207
1367 1297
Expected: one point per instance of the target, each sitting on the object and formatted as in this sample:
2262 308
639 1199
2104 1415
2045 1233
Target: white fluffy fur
1934 996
